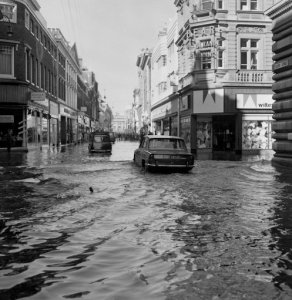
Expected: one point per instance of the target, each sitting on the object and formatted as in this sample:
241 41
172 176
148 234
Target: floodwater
223 231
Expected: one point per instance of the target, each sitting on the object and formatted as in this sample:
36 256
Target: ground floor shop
217 121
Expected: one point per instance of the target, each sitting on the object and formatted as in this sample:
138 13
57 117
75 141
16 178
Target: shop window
6 61
204 135
185 130
256 135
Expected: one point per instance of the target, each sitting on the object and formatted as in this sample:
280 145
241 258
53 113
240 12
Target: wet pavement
223 231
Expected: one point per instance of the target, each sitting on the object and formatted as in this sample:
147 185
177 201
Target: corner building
225 75
281 14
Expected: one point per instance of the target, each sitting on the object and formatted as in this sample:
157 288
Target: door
224 133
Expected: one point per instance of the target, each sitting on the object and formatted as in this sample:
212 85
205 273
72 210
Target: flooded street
223 231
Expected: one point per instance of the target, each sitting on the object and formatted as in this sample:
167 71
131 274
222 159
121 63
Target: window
220 59
26 19
207 4
220 4
37 79
249 54
206 59
248 4
6 60
27 64
31 26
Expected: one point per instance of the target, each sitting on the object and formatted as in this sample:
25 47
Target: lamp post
4 18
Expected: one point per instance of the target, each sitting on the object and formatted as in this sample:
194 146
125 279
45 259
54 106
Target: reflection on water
223 231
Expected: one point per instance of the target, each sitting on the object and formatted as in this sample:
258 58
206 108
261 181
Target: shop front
38 121
54 124
164 118
68 125
12 122
231 121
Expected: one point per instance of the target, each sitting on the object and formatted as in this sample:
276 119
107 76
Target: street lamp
4 18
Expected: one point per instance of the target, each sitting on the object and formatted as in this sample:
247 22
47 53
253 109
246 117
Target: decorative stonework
246 29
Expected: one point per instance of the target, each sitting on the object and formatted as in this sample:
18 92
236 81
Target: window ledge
5 76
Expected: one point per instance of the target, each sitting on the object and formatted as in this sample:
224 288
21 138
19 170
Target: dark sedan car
100 142
163 152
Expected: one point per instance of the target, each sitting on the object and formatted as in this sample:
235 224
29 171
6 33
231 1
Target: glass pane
253 60
5 60
243 43
243 5
254 43
253 5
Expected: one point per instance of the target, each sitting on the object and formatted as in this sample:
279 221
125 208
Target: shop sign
208 101
38 96
83 108
6 118
54 111
254 101
161 111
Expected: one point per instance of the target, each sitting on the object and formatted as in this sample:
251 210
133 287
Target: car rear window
167 144
101 138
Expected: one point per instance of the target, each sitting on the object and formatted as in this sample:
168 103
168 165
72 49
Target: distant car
112 137
99 142
163 152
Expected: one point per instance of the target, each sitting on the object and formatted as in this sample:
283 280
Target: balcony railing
225 76
255 76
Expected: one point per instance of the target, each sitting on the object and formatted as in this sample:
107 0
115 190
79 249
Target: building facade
39 81
225 52
143 101
222 96
281 14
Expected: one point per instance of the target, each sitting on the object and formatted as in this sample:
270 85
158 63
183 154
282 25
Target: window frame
12 57
248 50
248 5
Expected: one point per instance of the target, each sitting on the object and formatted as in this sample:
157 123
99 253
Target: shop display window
256 135
185 130
204 133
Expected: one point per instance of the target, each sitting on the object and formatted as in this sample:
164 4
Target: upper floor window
26 19
248 4
206 62
220 4
249 49
6 61
207 4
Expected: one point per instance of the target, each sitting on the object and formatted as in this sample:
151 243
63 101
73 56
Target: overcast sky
109 35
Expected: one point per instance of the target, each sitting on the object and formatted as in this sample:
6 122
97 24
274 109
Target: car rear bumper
180 166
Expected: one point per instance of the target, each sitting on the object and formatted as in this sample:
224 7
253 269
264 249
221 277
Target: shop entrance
223 133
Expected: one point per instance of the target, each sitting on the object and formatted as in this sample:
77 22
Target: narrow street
223 231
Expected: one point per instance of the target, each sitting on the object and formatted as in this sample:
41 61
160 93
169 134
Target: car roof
163 137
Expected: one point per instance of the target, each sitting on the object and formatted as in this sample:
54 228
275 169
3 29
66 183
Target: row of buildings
209 77
47 95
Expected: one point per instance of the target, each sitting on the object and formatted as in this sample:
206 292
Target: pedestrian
9 139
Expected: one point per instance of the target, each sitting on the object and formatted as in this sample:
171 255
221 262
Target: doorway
223 133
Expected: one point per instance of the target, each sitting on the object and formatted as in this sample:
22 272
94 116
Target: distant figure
91 190
9 140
